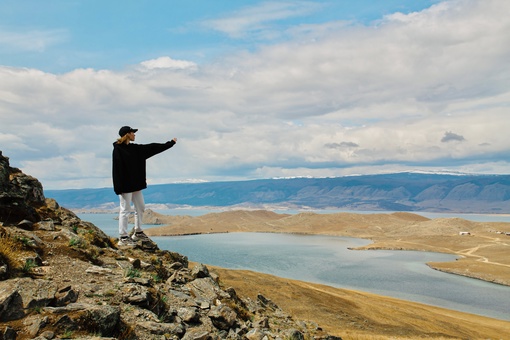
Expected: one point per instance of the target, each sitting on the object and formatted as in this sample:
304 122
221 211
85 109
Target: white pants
125 209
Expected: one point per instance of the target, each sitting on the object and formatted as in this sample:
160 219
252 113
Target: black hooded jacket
128 164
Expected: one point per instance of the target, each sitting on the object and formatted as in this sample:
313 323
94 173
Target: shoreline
481 252
347 313
368 247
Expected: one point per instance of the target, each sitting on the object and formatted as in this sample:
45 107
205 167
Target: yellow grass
363 316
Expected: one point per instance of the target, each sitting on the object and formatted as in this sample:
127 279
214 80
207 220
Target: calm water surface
327 260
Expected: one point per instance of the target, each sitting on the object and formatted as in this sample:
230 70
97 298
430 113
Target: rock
294 334
261 322
176 266
3 270
65 296
223 317
85 289
102 319
46 335
20 194
136 295
188 314
148 246
36 293
9 334
99 270
25 224
47 225
180 277
11 302
266 302
200 271
162 328
136 263
35 324
197 334
140 281
205 289
255 334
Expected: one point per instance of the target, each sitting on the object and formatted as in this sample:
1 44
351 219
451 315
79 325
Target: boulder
223 317
102 319
11 302
20 195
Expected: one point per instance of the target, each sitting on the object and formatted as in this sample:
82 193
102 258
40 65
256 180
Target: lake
327 260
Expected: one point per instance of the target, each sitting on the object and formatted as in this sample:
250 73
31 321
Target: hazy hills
390 192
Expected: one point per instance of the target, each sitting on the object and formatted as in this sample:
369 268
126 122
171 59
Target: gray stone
206 289
180 277
137 295
98 270
176 266
266 302
197 334
65 296
33 325
47 335
162 328
9 333
261 322
36 293
294 334
11 302
223 317
25 224
3 271
47 225
140 281
200 271
188 314
104 319
255 334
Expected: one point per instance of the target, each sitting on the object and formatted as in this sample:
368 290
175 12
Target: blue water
327 260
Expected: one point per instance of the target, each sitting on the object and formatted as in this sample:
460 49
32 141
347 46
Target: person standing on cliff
129 179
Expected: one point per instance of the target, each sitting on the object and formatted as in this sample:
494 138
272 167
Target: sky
255 89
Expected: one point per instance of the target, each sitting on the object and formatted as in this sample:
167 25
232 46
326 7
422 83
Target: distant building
463 233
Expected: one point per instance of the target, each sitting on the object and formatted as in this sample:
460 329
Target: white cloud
33 41
257 18
383 95
168 63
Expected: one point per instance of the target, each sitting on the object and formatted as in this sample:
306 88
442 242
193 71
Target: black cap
126 129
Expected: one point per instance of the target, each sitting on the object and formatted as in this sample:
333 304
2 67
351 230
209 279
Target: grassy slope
356 315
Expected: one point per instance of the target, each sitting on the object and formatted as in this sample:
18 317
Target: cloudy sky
255 89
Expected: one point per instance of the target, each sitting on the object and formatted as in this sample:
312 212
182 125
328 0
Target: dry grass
13 253
484 252
364 316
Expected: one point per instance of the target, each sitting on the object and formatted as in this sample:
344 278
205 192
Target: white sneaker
126 241
139 235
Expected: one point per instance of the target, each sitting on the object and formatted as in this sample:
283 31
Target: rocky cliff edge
61 277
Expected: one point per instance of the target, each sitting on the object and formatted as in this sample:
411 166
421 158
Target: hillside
388 192
63 278
484 251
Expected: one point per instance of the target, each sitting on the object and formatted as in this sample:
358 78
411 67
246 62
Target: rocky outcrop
20 194
61 277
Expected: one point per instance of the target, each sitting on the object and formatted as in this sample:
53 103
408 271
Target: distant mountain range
389 192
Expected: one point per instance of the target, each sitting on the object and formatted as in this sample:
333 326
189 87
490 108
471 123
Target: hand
175 140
